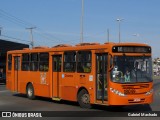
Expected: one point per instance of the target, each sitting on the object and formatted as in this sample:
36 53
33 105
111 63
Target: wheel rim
30 92
85 99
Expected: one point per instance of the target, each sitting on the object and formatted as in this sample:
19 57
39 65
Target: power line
50 37
25 24
14 38
15 18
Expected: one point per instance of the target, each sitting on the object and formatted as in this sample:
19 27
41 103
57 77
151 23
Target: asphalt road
19 102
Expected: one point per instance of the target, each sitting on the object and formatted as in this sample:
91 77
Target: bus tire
84 99
30 92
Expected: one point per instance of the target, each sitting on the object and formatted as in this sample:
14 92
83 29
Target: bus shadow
36 98
132 108
47 99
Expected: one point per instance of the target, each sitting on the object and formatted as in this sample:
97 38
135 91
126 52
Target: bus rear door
16 73
56 76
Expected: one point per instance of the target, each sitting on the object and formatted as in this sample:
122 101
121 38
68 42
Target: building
5 46
156 67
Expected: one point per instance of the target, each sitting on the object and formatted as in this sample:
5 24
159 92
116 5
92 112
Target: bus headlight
149 92
117 92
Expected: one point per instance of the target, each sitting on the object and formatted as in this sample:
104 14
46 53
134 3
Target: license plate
137 99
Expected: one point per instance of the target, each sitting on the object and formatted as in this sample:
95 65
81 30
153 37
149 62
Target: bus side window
43 62
69 61
84 62
9 62
34 62
25 62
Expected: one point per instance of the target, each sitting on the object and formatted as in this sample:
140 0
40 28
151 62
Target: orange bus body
56 73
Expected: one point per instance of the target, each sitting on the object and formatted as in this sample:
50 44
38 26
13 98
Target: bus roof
80 46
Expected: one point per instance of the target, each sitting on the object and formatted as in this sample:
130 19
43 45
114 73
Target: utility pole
82 14
0 31
108 34
31 32
119 26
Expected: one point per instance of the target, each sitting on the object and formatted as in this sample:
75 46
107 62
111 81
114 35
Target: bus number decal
129 91
43 78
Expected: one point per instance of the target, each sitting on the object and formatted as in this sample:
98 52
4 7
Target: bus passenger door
56 75
101 77
16 69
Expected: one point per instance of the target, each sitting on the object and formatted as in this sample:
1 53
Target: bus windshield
131 69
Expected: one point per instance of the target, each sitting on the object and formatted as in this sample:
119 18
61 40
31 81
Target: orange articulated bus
89 73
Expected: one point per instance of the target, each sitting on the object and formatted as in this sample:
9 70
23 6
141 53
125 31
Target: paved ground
19 102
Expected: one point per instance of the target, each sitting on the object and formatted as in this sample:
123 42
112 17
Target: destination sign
132 49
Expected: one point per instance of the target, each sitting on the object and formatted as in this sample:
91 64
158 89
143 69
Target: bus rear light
149 92
117 92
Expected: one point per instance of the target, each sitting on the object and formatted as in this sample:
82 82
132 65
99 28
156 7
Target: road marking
4 91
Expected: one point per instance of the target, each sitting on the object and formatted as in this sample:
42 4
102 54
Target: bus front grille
141 86
135 89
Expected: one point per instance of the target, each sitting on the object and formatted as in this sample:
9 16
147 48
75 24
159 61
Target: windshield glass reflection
128 69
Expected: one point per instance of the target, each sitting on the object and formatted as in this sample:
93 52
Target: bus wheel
84 99
30 92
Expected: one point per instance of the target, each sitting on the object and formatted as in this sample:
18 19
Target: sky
59 21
